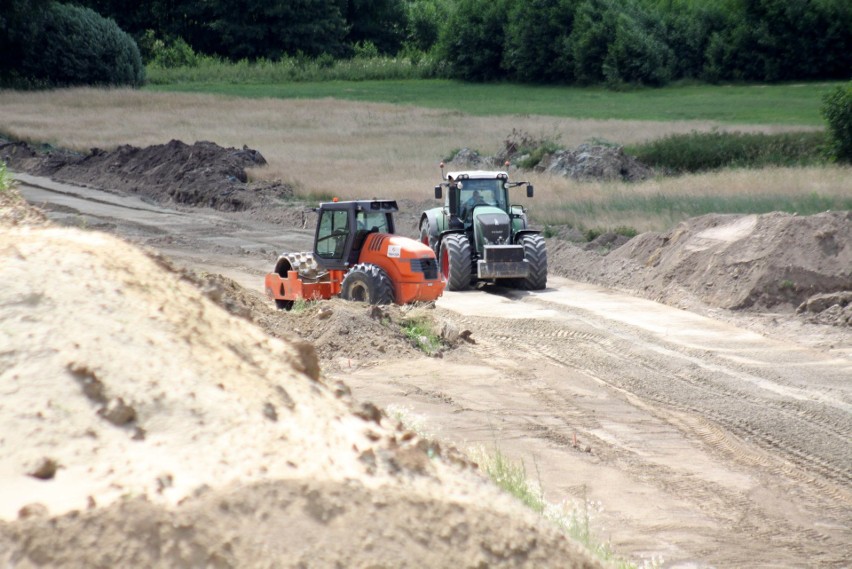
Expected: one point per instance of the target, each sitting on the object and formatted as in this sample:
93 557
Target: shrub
5 178
837 110
636 55
536 34
422 335
472 39
702 151
175 54
594 29
76 46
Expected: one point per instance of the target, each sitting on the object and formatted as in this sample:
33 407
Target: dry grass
352 149
561 196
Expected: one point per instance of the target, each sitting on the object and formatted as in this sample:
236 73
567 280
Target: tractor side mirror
438 193
529 190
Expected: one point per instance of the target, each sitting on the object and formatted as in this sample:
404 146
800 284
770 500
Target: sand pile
143 425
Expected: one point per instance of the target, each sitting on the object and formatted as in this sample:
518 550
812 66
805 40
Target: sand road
687 437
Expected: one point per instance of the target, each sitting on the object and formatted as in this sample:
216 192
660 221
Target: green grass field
794 104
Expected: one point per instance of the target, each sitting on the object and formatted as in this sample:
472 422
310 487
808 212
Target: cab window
332 234
367 220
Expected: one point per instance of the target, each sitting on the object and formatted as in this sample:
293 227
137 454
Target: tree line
614 42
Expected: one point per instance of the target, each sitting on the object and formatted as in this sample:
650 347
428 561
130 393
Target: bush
837 110
702 151
76 46
594 29
472 39
170 55
536 35
5 178
636 56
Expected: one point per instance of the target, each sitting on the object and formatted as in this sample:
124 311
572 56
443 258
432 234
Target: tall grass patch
703 151
574 518
740 104
209 70
661 203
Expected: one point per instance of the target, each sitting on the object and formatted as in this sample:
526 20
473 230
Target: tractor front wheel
367 283
535 253
455 261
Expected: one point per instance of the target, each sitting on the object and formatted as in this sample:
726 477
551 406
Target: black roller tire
455 262
535 253
367 283
282 268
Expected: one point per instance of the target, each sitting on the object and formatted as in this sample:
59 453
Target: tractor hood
491 226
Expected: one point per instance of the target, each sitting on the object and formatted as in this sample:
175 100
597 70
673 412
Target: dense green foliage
69 45
702 151
618 43
537 34
473 38
837 110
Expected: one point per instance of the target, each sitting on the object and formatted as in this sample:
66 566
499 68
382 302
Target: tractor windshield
481 192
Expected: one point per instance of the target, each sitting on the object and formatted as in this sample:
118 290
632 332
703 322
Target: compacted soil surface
688 393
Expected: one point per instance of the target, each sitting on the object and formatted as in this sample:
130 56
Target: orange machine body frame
400 257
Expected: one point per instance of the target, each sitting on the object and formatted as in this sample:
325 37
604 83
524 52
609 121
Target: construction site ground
668 390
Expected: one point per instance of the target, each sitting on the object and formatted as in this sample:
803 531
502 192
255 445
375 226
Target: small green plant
421 334
626 231
787 284
5 177
301 305
451 155
529 148
411 420
575 519
594 233
511 476
549 231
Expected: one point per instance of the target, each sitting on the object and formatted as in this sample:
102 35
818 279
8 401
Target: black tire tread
460 266
374 279
535 252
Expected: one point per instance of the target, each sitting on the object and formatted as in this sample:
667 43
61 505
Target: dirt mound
590 162
344 335
141 424
774 260
14 210
585 163
202 174
296 524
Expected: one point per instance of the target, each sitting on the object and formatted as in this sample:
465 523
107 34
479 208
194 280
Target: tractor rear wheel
455 261
424 233
367 283
535 253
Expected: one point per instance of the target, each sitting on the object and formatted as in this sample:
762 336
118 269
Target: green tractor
479 237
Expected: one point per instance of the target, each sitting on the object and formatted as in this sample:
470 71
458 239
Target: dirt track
704 442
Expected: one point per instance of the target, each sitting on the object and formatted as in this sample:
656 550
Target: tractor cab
343 227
